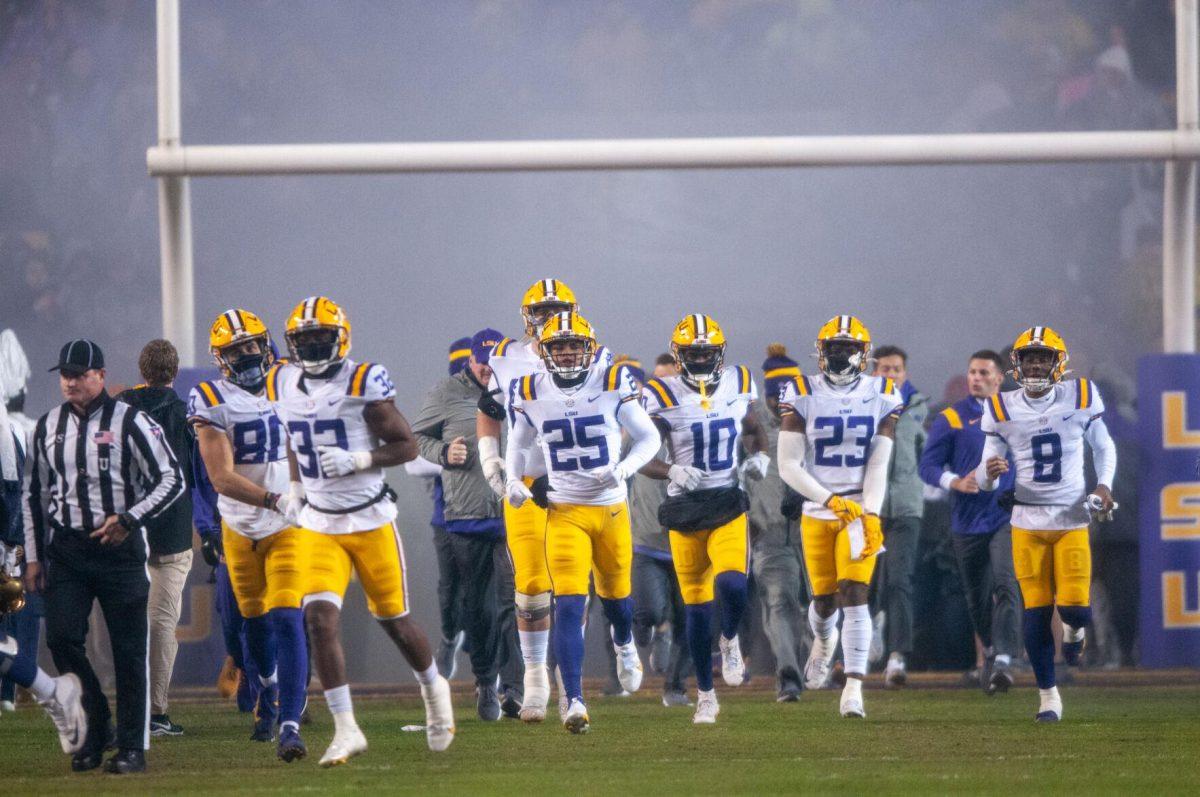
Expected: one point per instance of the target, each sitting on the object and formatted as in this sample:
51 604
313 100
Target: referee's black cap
79 356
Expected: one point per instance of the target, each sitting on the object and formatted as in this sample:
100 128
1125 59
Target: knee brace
532 608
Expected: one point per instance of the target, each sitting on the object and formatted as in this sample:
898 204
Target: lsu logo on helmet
543 299
318 334
698 345
240 345
843 344
1039 357
557 333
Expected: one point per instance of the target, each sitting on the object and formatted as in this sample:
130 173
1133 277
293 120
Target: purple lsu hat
483 343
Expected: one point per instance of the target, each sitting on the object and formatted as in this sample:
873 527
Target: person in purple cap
474 522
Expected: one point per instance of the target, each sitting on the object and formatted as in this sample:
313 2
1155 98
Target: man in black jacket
170 534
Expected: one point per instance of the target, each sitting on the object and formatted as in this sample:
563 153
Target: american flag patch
103 438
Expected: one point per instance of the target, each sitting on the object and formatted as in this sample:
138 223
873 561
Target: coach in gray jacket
445 430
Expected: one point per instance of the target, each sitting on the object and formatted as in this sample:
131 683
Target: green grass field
1114 740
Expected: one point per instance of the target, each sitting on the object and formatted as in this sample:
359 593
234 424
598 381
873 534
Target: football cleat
816 670
510 704
895 675
733 666
67 713
266 713
851 704
537 693
346 744
291 746
674 697
576 719
707 707
629 666
439 714
1001 678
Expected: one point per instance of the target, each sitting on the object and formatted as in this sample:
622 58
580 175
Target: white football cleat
576 719
7 705
707 707
439 714
537 693
347 743
816 670
67 712
629 666
852 701
733 666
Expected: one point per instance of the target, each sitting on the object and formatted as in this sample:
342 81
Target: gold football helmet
12 594
1039 358
241 346
543 299
557 332
698 345
843 344
318 334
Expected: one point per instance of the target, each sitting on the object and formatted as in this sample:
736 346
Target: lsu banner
1169 420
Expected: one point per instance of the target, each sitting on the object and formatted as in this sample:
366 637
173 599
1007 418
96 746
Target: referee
98 470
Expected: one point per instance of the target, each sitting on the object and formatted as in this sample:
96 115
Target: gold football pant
378 558
1053 567
827 555
699 555
589 540
270 573
525 535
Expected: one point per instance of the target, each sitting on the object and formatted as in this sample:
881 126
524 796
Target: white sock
1073 634
272 680
856 639
533 646
821 626
896 658
1050 700
1003 658
42 687
295 726
429 675
341 707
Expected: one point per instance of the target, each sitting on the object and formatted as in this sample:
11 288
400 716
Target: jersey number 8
1047 458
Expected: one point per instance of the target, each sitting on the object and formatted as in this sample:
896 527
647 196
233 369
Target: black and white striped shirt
80 470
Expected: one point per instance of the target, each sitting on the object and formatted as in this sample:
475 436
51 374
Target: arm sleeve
790 457
876 479
428 426
520 438
36 498
206 517
644 438
993 446
1104 451
939 446
157 463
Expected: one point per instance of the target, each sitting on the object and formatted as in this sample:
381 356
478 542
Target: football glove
290 503
541 491
685 477
756 466
211 549
340 462
846 510
611 478
872 536
517 493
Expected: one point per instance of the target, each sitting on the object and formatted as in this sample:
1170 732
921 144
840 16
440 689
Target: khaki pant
168 573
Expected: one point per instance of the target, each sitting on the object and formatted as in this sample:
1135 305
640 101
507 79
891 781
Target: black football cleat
291 746
1001 680
126 762
1047 716
1073 651
86 760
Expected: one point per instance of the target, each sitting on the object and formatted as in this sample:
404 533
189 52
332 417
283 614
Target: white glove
611 478
517 493
685 477
340 462
290 503
493 471
756 465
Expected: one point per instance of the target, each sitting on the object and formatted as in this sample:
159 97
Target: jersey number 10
717 460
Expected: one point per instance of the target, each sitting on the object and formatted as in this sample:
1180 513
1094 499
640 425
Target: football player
835 440
700 413
343 429
525 526
575 412
1044 424
241 443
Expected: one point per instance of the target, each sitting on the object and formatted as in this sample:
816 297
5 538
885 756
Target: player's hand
846 510
456 453
872 535
35 577
517 493
965 484
611 478
211 549
685 477
111 532
289 505
1101 504
997 467
340 462
493 471
756 465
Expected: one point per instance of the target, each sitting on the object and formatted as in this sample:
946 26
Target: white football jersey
256 436
578 431
329 412
703 438
1046 439
510 360
839 425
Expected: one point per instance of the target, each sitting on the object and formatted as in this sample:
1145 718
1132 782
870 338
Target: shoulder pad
209 393
662 392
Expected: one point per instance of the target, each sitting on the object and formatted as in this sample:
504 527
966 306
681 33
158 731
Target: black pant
115 578
986 564
898 564
485 581
449 596
657 599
